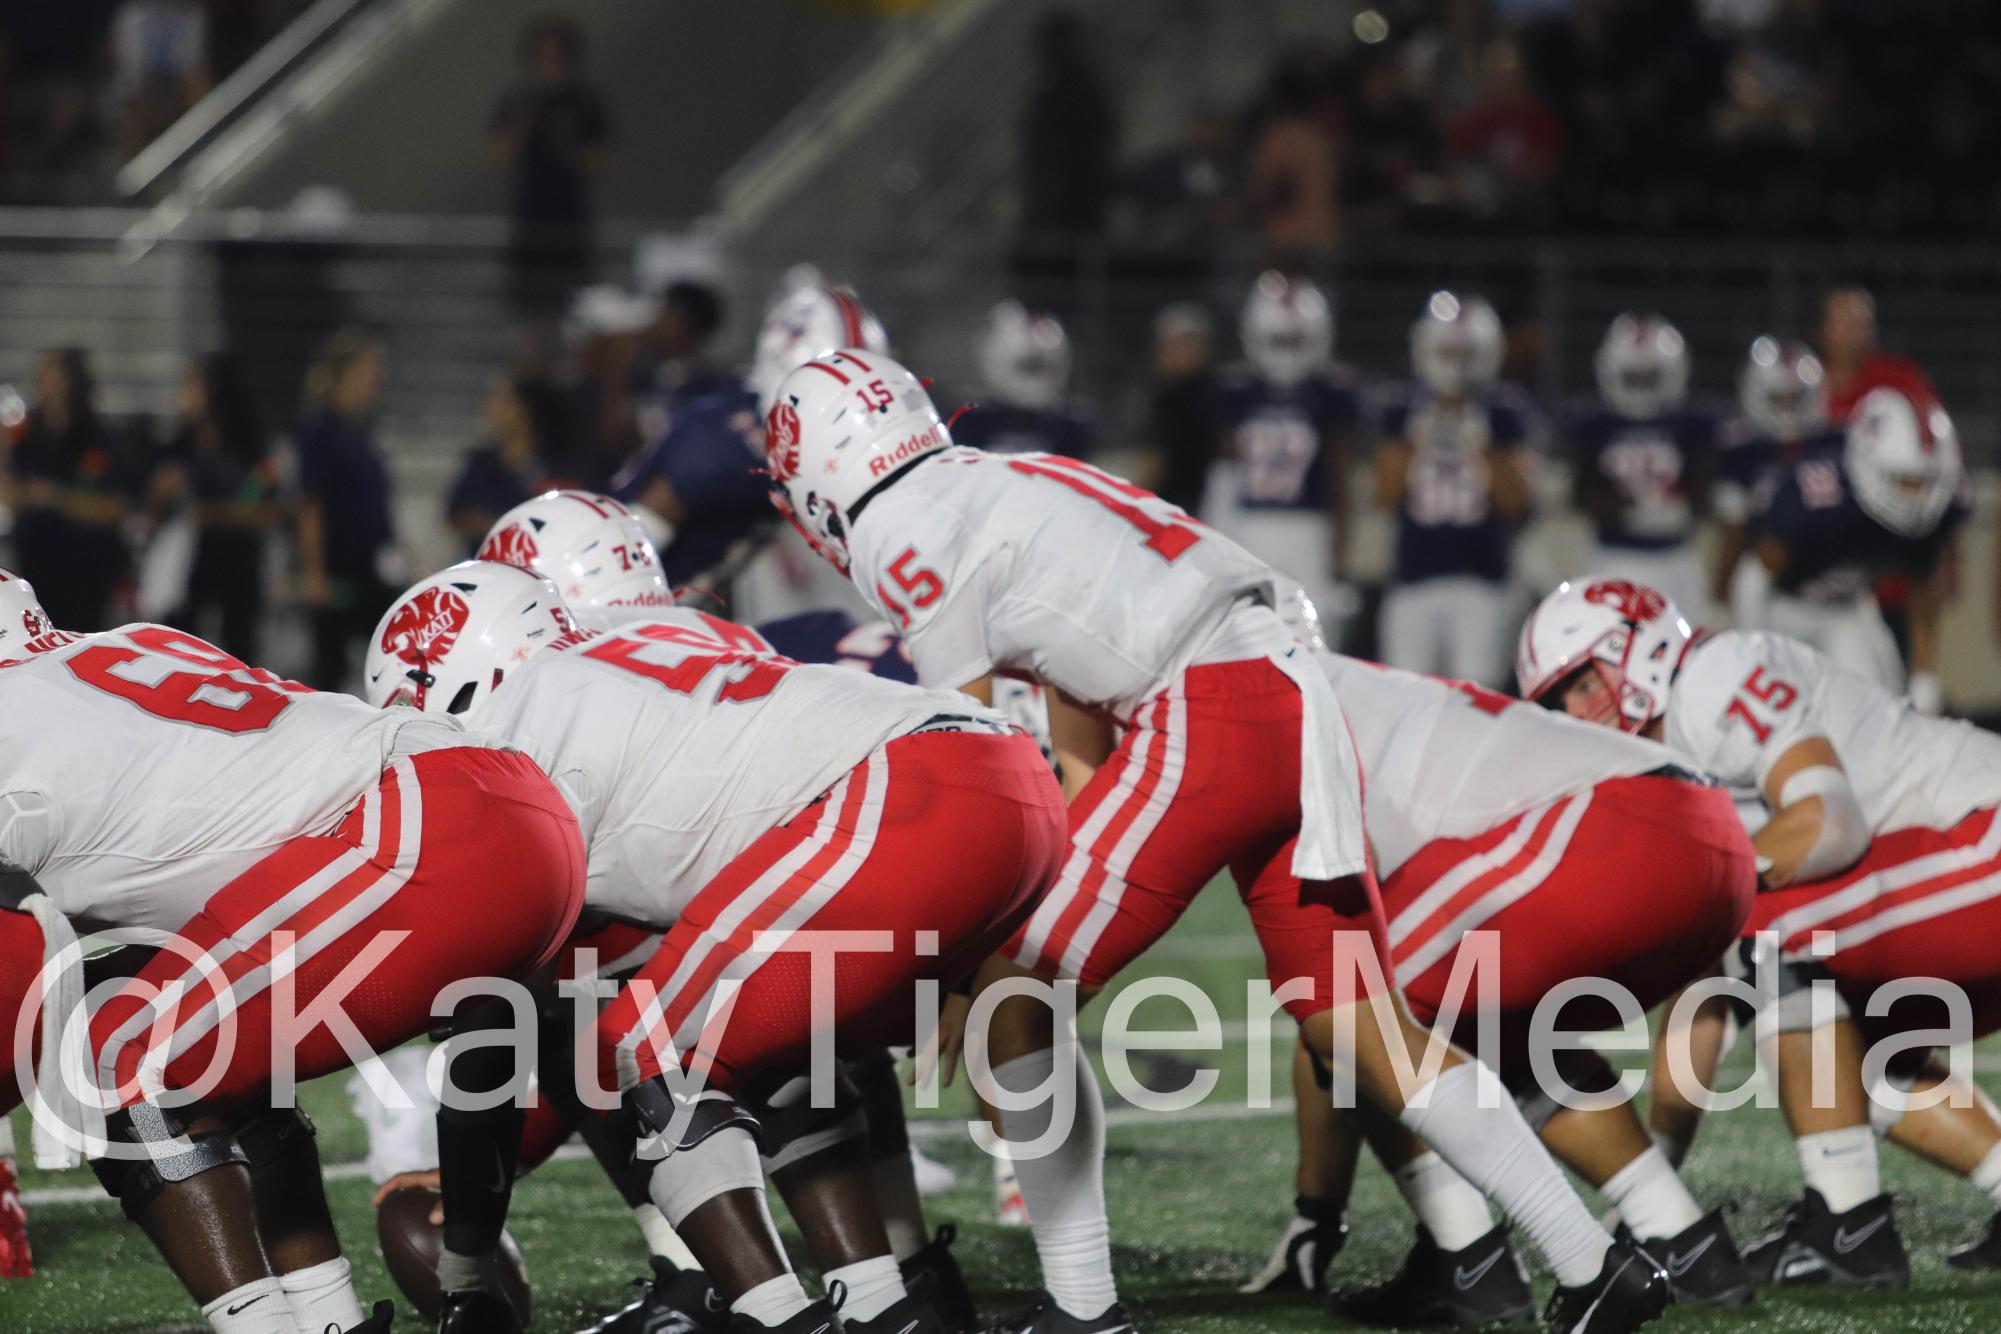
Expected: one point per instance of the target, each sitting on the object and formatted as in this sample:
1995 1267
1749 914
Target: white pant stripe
1446 888
1889 880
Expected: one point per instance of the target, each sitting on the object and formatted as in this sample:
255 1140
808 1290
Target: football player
1888 501
747 805
1453 467
1881 859
287 843
1024 359
1643 457
1223 747
1487 814
1287 420
1780 417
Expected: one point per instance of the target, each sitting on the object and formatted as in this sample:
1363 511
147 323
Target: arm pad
1844 833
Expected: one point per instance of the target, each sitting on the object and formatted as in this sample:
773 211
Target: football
411 1243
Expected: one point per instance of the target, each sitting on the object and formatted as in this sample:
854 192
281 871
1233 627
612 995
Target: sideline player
288 842
1025 361
748 804
1231 752
1882 859
1781 416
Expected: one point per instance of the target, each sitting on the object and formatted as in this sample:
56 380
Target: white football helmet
1456 343
1903 460
842 424
1024 357
1780 390
1299 613
1642 366
448 642
24 627
592 548
804 323
1287 328
1631 635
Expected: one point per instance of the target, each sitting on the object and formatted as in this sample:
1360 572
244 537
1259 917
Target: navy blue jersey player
699 483
1781 417
1025 407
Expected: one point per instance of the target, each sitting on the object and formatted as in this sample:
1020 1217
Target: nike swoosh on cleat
1677 1265
1584 1321
1466 1279
1846 1241
247 1305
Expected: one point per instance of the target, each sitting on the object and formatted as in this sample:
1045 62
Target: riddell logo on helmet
425 628
36 622
781 441
916 444
512 545
1628 599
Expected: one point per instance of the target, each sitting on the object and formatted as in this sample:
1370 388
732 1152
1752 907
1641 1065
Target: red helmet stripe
866 369
583 498
823 366
851 317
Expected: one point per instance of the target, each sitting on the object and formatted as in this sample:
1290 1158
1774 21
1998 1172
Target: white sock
1065 1189
323 1294
1651 1198
1841 1165
1452 1211
772 1302
1493 1147
873 1287
1987 1174
469 1273
254 1308
661 1238
895 1183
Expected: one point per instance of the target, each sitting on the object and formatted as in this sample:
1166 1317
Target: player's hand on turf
431 1180
940 1056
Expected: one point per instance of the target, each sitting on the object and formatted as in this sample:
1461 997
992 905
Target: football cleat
909 1316
819 1318
380 1321
934 1277
1859 1248
1049 1318
1306 1248
16 1261
1702 1263
1982 1254
1630 1290
1475 1285
674 1301
475 1313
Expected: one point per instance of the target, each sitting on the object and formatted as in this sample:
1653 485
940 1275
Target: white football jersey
1038 565
1744 698
1446 759
678 742
142 769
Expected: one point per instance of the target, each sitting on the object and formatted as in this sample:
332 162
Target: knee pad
705 1145
271 1139
874 1073
1889 1096
171 1155
1584 1069
1790 1003
794 1129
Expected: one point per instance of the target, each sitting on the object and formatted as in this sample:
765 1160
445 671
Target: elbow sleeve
1844 832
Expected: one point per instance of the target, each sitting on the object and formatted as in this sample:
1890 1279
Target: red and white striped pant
1643 881
20 971
1205 778
470 851
1921 903
942 841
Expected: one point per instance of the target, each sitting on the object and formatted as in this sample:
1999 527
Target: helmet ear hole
463 700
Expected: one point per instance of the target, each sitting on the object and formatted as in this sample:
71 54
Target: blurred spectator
219 463
526 452
1508 145
1183 195
50 58
1390 152
69 496
1181 407
677 343
550 130
1290 183
345 533
159 57
1852 359
1069 140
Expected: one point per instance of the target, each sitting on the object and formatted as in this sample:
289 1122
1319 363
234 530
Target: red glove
15 1261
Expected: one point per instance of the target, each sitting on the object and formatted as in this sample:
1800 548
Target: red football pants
20 987
470 851
939 842
1205 778
1641 881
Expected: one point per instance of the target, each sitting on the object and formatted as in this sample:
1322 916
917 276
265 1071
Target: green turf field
1196 1202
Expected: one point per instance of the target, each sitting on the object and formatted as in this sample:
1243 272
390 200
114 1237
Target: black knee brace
686 1120
272 1138
794 1129
171 1155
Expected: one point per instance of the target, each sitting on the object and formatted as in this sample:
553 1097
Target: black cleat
908 1316
819 1318
380 1321
1813 1244
1630 1290
675 1301
1982 1254
1049 1318
1702 1263
1476 1285
477 1313
1307 1247
934 1277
